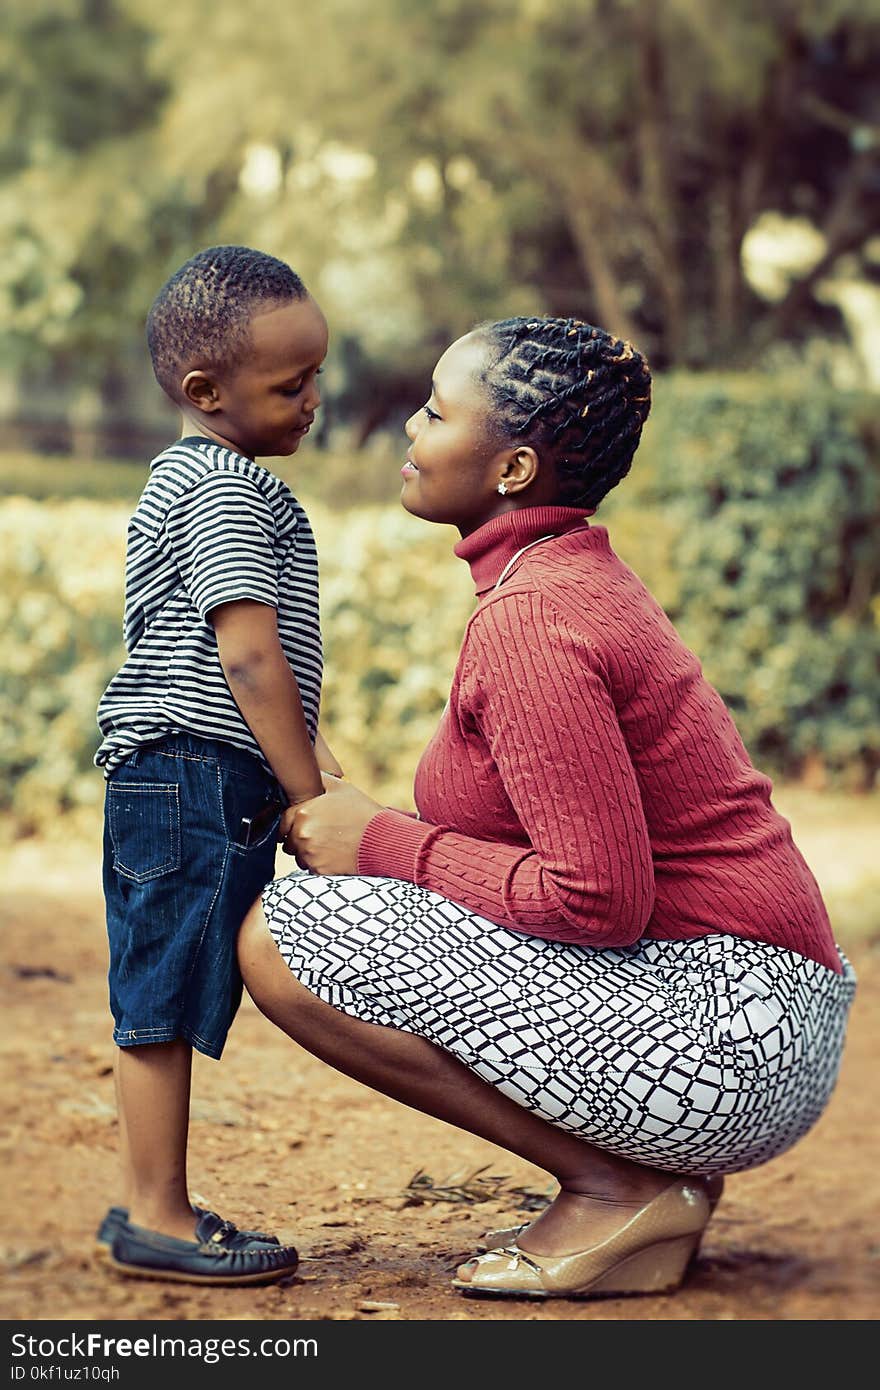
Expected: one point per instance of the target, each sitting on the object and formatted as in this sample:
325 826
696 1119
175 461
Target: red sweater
586 783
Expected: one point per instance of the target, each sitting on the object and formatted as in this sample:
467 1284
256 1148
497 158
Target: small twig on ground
474 1187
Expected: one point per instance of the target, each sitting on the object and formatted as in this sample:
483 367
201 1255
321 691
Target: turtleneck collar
489 548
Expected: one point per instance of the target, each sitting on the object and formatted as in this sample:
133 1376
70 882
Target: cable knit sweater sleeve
532 722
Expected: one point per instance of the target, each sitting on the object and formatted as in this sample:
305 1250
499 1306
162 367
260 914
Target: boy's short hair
200 316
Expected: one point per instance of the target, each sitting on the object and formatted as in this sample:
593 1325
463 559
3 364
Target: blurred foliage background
700 176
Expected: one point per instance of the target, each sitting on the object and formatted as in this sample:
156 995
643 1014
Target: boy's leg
163 1237
171 926
122 1135
153 1090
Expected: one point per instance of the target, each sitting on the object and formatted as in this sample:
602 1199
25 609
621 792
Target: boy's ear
199 390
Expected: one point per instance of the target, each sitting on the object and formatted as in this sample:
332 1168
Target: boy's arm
265 690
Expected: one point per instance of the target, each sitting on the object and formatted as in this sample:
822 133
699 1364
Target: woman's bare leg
597 1188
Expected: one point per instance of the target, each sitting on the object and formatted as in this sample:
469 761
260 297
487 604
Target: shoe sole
641 1273
581 1296
216 1281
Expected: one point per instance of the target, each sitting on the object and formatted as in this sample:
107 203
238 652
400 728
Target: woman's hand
324 834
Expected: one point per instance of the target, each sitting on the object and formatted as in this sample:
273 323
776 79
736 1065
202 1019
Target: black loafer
219 1255
115 1217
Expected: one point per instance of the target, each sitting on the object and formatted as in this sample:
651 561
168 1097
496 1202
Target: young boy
209 728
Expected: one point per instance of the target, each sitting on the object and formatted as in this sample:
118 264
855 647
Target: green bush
751 511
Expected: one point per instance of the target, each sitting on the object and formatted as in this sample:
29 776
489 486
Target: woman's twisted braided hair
569 388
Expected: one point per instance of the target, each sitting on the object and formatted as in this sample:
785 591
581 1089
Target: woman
597 945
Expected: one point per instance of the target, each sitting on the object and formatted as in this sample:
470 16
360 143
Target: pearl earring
502 488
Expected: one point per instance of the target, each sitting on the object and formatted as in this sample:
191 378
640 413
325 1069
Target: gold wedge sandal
507 1235
648 1254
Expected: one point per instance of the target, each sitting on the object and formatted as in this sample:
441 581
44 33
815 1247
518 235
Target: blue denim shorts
189 844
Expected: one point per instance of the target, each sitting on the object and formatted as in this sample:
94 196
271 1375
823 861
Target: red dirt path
283 1142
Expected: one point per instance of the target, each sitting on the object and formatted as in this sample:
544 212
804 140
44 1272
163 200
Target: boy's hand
324 834
285 825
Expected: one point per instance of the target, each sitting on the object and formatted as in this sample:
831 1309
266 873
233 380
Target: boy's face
266 403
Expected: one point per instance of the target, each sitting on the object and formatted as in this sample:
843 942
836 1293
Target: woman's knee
253 938
274 990
260 964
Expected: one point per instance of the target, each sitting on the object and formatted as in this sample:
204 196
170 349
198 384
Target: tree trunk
660 229
595 257
593 201
725 250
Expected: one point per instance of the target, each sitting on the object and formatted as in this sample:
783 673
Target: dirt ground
282 1142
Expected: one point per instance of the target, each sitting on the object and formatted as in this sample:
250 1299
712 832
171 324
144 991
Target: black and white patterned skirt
706 1056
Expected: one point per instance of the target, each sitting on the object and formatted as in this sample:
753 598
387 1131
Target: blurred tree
70 74
427 163
628 147
73 83
88 208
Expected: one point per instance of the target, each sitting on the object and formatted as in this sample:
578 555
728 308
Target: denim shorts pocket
144 824
250 809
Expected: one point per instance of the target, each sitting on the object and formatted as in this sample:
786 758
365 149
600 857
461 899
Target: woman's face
452 468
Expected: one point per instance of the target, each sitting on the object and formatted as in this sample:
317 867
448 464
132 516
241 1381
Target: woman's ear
199 390
521 468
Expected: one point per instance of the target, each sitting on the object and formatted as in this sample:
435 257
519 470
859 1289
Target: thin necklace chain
551 535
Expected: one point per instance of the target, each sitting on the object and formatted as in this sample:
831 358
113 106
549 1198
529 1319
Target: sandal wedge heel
648 1254
508 1235
657 1269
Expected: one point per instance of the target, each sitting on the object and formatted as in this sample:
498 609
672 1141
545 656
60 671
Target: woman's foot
584 1245
508 1235
573 1221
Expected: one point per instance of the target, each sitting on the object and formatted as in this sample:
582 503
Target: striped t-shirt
211 526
